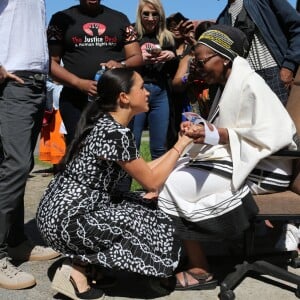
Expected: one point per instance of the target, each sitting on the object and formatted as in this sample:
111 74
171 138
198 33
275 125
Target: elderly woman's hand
199 135
196 132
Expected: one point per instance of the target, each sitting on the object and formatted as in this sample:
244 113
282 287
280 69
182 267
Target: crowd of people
203 89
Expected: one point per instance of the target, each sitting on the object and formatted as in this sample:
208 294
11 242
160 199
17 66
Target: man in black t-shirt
82 37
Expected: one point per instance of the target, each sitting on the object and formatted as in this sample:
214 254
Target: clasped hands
199 132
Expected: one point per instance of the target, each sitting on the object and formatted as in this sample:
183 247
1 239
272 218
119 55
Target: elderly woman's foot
194 279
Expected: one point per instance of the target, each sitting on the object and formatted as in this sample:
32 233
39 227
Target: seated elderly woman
209 193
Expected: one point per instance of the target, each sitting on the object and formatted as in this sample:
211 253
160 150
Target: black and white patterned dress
79 216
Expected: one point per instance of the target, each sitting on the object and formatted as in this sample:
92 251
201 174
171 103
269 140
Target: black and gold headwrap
228 41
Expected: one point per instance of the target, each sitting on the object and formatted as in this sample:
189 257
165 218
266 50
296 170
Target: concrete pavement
129 286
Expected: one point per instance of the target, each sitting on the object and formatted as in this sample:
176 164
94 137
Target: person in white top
22 102
209 193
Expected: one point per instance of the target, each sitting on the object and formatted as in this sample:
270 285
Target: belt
32 75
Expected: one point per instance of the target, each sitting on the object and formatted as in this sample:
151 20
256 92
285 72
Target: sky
192 9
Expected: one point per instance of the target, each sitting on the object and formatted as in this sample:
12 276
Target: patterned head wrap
228 41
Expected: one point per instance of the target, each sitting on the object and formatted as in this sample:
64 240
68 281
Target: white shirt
23 44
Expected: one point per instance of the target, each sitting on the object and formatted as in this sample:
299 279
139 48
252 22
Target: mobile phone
154 49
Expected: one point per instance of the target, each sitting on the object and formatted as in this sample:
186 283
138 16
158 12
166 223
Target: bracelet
177 150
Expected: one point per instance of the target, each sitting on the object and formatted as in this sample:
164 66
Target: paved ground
131 287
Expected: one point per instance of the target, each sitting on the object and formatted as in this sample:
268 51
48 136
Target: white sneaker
27 251
13 278
289 239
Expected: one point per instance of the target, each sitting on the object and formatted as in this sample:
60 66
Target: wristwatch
123 63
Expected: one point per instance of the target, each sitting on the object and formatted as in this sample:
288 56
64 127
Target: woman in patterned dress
82 216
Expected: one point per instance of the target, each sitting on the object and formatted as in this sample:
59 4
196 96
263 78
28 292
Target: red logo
148 45
94 29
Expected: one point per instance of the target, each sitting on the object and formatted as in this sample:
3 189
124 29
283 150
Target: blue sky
192 9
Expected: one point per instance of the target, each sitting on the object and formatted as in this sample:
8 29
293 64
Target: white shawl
257 122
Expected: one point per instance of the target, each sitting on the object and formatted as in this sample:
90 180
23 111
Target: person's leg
158 121
71 112
197 262
197 270
21 110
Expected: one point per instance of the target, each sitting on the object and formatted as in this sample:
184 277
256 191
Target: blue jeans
157 118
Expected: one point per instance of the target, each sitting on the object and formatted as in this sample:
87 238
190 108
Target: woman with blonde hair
158 50
162 32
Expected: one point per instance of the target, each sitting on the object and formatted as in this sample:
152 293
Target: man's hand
6 75
286 75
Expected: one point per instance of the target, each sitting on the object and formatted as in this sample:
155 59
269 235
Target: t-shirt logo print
94 29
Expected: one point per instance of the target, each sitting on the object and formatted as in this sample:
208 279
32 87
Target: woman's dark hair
176 17
109 87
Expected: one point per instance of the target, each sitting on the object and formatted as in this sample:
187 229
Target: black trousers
71 109
21 112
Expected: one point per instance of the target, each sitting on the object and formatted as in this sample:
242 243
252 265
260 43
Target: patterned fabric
259 55
234 9
82 215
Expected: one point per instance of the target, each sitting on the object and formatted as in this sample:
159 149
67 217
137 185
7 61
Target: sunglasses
147 14
201 62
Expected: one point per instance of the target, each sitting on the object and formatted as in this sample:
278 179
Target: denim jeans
272 78
157 119
21 112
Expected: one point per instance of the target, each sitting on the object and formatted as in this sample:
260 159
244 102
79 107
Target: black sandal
97 278
90 293
205 282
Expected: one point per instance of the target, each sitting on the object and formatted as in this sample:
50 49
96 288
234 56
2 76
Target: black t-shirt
87 40
157 73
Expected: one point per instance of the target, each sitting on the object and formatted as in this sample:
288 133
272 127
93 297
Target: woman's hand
147 57
182 142
152 196
187 31
196 132
165 55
